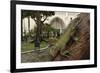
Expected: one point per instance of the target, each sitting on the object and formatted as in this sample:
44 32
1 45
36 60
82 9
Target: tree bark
21 28
37 38
29 25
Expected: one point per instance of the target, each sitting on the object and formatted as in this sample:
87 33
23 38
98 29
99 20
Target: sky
65 16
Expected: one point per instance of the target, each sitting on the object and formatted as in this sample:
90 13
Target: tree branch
44 19
34 19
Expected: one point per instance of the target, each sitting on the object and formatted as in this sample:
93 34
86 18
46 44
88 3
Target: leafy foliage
37 14
39 17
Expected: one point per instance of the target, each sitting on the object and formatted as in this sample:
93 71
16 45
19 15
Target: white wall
5 36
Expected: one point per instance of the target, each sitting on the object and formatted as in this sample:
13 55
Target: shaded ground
36 56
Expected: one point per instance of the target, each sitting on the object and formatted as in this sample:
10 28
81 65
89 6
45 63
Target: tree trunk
38 32
29 25
21 28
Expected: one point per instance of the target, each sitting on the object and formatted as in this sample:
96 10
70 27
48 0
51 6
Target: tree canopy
42 15
39 17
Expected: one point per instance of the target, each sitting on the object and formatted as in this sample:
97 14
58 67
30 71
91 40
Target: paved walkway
35 55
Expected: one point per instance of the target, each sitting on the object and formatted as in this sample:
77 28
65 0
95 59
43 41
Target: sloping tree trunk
76 49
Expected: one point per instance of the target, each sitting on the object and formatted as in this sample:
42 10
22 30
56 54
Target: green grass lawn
43 44
26 46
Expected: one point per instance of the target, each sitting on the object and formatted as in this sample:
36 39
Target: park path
35 56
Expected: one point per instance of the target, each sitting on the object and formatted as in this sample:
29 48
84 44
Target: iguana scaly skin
65 37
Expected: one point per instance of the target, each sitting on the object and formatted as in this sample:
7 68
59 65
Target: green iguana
65 37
